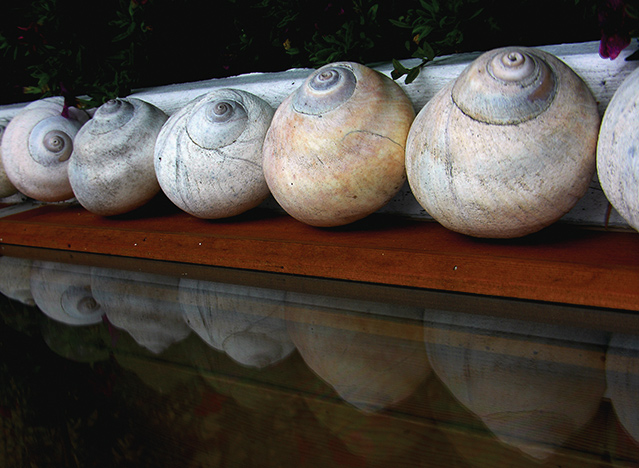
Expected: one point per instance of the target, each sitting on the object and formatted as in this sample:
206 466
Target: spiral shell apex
506 149
335 150
36 148
112 170
208 155
506 86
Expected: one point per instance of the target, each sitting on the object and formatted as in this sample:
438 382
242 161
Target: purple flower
615 28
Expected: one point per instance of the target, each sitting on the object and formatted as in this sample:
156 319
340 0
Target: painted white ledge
602 76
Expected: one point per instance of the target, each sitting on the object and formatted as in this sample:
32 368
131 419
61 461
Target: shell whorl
217 123
326 89
77 301
506 86
111 115
51 140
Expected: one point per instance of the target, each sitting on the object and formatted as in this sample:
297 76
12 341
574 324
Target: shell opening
217 123
111 115
328 88
506 86
51 140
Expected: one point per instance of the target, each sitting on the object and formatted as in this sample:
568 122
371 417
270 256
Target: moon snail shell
507 148
617 160
112 170
36 147
335 150
208 155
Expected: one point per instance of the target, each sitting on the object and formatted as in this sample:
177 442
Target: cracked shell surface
208 155
111 171
330 160
504 180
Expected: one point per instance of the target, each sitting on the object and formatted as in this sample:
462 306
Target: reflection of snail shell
143 304
506 149
335 150
6 187
63 292
208 155
617 157
369 370
622 376
111 171
532 384
245 322
15 279
36 147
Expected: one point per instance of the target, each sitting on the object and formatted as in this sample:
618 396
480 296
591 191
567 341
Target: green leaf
397 66
412 74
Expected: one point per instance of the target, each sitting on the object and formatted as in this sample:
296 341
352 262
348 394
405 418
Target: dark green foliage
49 47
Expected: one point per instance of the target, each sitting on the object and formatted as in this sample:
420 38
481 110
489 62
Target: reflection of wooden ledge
563 263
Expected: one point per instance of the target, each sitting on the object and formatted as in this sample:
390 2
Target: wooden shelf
563 263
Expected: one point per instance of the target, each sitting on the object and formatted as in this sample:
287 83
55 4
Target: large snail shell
36 147
506 149
208 155
617 155
335 150
111 171
6 187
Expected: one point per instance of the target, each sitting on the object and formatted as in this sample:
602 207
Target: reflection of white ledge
603 76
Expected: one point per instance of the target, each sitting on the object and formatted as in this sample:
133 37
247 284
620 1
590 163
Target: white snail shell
506 149
617 159
6 187
335 150
36 147
63 293
111 171
208 155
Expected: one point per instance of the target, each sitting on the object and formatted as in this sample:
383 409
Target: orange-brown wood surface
564 264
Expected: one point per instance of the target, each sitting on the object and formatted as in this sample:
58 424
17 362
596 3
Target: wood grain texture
563 264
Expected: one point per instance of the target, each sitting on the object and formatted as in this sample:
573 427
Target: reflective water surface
170 366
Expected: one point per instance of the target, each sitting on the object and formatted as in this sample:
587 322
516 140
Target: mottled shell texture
617 150
208 156
506 149
335 150
111 171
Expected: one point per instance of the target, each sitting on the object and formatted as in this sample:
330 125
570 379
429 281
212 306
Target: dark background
106 48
